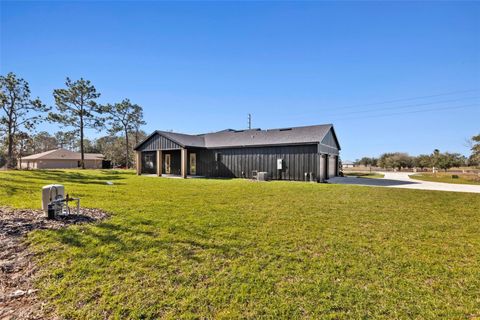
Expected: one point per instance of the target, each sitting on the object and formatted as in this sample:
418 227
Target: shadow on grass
177 176
131 238
60 177
11 190
77 177
369 182
17 226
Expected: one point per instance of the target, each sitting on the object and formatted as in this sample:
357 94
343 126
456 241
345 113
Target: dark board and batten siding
241 162
329 144
318 159
205 162
158 142
175 161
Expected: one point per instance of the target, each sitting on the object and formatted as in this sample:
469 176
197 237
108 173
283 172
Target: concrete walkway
402 180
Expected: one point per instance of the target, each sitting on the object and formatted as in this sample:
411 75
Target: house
298 153
348 164
60 159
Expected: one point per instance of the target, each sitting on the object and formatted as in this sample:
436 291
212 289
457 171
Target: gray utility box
262 176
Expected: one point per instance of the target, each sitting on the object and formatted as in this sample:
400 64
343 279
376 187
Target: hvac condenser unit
262 176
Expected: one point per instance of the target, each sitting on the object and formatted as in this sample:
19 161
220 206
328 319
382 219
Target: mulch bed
18 299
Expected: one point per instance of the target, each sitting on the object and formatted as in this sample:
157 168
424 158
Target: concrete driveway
402 180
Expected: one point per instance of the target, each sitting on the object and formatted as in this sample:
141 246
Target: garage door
332 166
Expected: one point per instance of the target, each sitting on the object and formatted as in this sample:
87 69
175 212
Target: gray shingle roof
63 154
187 140
254 137
310 134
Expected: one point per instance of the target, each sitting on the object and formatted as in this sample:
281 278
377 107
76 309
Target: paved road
402 180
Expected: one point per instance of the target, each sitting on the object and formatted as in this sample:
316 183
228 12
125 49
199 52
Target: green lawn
447 177
204 248
372 175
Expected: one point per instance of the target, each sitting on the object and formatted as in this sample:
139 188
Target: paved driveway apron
402 180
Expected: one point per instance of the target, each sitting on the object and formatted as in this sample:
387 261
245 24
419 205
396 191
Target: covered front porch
175 163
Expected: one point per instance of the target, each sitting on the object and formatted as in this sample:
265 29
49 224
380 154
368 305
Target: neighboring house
348 164
299 153
60 159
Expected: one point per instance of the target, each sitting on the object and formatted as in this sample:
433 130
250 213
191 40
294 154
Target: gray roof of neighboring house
63 154
253 137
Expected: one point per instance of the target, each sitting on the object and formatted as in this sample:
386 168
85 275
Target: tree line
76 109
437 159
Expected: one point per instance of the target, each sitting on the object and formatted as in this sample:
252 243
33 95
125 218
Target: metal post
159 163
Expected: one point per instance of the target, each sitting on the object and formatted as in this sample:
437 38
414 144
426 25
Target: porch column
159 163
139 162
184 163
327 165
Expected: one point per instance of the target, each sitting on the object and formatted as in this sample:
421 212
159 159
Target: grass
372 175
448 177
238 249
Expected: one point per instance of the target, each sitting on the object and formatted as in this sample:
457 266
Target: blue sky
203 66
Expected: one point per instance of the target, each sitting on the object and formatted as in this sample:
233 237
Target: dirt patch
18 299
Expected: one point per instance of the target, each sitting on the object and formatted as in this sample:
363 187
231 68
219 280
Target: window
149 161
193 164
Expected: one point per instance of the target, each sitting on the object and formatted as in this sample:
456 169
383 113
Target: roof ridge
44 154
246 137
243 130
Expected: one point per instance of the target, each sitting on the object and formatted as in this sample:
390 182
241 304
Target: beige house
60 159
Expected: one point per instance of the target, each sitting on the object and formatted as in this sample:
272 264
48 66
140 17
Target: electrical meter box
279 164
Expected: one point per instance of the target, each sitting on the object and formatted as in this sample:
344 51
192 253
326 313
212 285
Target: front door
167 163
193 164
